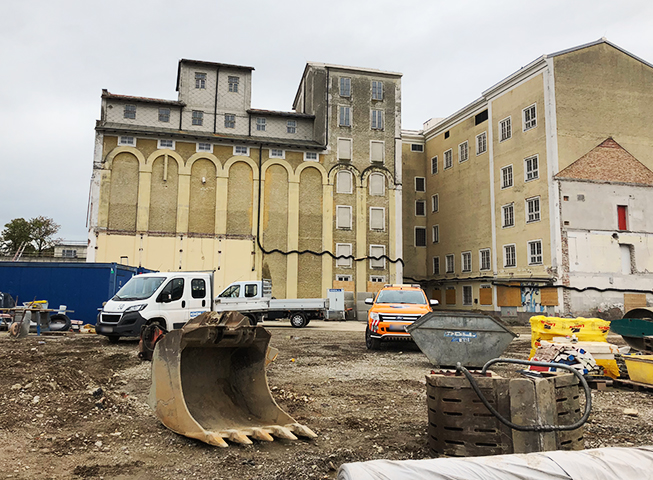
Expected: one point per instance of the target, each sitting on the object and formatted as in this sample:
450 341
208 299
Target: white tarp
616 463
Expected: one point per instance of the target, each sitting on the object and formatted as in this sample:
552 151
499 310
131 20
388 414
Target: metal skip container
448 338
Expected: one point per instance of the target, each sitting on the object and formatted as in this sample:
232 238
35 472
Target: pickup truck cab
393 308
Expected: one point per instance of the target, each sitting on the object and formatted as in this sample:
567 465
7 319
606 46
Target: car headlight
136 308
374 316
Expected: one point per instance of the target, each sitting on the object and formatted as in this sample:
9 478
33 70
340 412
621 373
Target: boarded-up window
377 251
634 300
344 182
549 296
343 249
344 148
509 296
450 298
437 295
343 216
376 151
485 295
377 218
377 184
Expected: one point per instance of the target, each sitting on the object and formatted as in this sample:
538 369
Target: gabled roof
608 162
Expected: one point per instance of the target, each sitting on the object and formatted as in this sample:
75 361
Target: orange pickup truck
393 309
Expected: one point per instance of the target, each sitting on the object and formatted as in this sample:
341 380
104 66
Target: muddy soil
76 407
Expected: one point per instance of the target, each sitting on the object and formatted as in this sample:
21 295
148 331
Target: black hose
531 428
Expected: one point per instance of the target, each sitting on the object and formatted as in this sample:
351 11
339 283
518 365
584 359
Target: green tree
15 233
42 232
37 233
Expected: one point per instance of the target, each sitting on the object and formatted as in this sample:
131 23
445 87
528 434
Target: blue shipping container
82 287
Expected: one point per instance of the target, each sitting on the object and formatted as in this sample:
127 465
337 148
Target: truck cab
169 299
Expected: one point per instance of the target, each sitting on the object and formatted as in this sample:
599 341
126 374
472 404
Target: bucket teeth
238 437
282 432
260 434
302 430
215 439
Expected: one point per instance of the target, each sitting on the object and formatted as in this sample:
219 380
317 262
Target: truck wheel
370 342
298 320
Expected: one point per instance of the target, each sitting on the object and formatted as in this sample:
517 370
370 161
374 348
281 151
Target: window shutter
344 184
376 152
377 184
377 251
344 148
343 219
377 219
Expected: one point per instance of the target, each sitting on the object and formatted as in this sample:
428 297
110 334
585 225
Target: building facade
310 198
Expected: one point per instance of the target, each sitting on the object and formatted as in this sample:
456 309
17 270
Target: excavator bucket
209 383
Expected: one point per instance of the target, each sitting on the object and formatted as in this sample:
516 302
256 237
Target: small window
68 253
377 151
343 217
343 250
291 126
448 159
435 203
344 117
436 233
343 278
467 294
416 147
251 289
506 177
344 149
377 251
484 259
231 292
434 165
535 252
200 80
377 278
377 120
531 168
377 218
377 90
240 150
345 87
533 209
505 129
420 184
420 236
198 288
420 208
198 117
509 256
276 153
229 120
130 111
529 115
466 261
436 265
233 84
204 147
310 156
377 184
127 140
463 152
449 264
260 124
166 144
344 182
481 117
508 215
446 134
164 115
481 143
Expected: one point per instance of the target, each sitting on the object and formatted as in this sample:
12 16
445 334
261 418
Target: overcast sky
58 55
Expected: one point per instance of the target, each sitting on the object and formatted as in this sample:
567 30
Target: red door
622 212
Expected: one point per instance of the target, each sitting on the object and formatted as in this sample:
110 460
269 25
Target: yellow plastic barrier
585 330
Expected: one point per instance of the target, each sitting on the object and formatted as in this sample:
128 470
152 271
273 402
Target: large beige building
488 218
206 182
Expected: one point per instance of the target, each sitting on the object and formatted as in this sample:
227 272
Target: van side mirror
164 298
434 303
369 301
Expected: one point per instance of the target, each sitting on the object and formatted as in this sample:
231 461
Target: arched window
344 182
377 184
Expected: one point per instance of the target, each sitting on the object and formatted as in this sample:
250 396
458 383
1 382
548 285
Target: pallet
599 383
635 386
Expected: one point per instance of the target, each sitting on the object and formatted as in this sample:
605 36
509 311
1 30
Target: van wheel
298 320
161 323
370 342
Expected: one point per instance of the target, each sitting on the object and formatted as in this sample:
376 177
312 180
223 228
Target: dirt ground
75 407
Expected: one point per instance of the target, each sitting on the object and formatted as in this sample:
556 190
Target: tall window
344 182
481 143
233 83
343 249
436 233
508 215
467 294
509 256
377 251
448 159
377 218
531 168
343 217
436 265
377 184
420 208
164 114
505 129
130 111
463 152
535 252
260 124
420 184
506 177
484 258
377 120
229 120
466 258
198 117
344 148
434 165
449 264
200 80
291 126
345 87
345 117
377 90
435 203
530 117
533 209
420 236
622 217
377 151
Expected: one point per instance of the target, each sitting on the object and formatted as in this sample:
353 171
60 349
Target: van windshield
401 296
138 288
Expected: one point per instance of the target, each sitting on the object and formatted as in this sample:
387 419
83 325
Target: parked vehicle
393 309
170 299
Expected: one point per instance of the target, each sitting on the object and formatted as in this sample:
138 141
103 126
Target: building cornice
128 98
